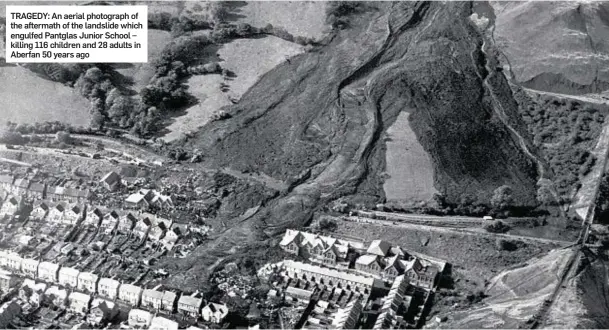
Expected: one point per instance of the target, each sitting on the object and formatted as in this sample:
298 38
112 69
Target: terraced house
21 186
95 215
79 303
126 223
29 267
11 206
73 214
48 271
7 281
168 301
87 282
152 299
108 288
57 212
131 294
13 262
68 277
321 249
110 222
37 190
6 182
142 228
39 211
190 306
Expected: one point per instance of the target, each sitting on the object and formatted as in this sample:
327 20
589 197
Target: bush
63 137
327 225
10 137
503 244
496 226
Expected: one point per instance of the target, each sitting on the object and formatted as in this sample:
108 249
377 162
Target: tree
11 137
503 244
502 198
327 225
497 226
63 137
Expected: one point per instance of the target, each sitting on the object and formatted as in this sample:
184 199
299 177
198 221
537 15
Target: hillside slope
316 121
555 46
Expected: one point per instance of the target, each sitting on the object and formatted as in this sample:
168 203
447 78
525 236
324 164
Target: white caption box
77 34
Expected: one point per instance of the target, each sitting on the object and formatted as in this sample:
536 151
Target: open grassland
248 59
206 89
27 98
300 18
409 168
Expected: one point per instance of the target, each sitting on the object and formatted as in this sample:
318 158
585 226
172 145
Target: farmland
27 98
248 59
300 18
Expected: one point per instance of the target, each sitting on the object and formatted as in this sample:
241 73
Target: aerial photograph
313 165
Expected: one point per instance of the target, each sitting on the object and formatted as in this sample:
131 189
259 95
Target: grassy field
249 59
206 89
301 18
409 168
142 72
27 98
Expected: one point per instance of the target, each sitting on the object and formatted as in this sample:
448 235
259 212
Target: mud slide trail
354 100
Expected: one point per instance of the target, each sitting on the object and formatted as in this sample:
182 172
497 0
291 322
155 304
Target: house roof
130 288
153 294
290 290
111 178
140 313
55 290
300 267
69 271
15 200
61 206
366 259
49 266
162 323
22 183
98 211
191 301
112 215
31 261
80 297
144 221
41 204
214 307
109 282
76 208
393 262
87 276
169 296
379 247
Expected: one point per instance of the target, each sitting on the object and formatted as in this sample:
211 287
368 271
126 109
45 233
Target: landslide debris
324 111
555 46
